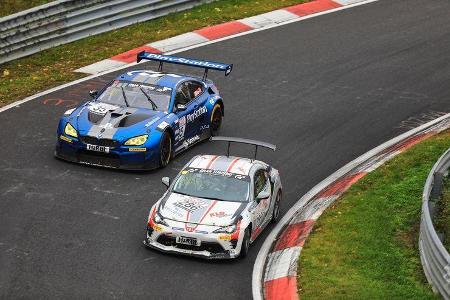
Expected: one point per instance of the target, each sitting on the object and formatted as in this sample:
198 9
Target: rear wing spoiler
243 141
207 65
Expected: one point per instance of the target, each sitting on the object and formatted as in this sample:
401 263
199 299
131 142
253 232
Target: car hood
195 210
105 120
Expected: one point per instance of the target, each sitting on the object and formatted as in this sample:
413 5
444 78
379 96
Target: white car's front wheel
245 243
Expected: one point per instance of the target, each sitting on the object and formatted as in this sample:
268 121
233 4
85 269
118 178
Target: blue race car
143 118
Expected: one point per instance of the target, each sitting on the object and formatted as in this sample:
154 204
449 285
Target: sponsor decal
181 128
100 108
197 113
151 122
218 173
173 211
62 137
137 149
187 61
204 127
163 125
190 227
219 214
191 140
213 99
157 228
151 74
225 237
191 204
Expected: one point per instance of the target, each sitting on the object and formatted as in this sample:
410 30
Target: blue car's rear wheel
216 118
165 149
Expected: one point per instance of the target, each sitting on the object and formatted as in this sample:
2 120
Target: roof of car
231 164
156 78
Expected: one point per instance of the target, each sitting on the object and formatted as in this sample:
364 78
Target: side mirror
93 93
262 195
166 181
181 107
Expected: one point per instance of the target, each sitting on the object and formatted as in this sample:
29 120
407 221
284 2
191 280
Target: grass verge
52 67
9 7
366 245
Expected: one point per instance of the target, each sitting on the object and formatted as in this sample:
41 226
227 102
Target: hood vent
130 120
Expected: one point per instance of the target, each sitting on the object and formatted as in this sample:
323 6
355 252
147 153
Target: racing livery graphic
216 206
143 118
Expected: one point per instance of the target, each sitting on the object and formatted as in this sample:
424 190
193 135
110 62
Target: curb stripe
130 56
219 31
294 235
284 288
312 7
341 185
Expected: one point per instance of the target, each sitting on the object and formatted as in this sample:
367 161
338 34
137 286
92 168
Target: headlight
137 140
158 219
228 229
70 130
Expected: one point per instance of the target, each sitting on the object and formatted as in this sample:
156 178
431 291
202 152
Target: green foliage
366 245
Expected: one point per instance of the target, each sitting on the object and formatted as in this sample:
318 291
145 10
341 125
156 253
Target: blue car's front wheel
165 149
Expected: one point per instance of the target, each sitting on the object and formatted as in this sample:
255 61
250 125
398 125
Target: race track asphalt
325 90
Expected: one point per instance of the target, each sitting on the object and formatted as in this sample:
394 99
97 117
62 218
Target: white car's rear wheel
276 208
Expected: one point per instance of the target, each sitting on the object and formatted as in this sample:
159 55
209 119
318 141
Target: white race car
216 206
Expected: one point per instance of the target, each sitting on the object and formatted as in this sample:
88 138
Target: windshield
137 95
213 184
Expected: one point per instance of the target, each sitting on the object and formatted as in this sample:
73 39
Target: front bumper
210 248
73 150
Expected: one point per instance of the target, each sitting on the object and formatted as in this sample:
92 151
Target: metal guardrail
64 21
435 258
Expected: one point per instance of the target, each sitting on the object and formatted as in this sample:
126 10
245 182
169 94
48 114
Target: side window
182 96
260 181
195 89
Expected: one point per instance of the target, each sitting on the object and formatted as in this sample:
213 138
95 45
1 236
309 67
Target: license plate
188 241
97 148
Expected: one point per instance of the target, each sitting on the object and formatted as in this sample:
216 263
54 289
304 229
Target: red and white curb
217 32
275 269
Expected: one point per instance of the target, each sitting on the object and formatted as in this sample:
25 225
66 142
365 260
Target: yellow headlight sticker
70 130
184 172
137 141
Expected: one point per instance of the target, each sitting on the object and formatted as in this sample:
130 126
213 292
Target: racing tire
245 244
216 118
165 149
276 208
